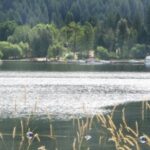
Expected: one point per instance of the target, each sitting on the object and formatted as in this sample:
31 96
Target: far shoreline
81 61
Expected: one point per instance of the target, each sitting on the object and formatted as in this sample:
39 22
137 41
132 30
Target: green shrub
1 55
26 52
113 55
102 53
56 51
139 51
82 55
10 50
69 56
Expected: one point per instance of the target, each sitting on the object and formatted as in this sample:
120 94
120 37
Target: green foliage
75 36
21 34
122 32
1 55
139 51
69 55
41 36
6 29
78 38
102 53
9 50
56 51
26 52
88 36
113 55
83 55
69 17
109 39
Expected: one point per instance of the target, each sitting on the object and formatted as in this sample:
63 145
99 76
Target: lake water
29 86
66 91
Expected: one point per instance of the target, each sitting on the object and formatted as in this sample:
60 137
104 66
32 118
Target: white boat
97 62
147 61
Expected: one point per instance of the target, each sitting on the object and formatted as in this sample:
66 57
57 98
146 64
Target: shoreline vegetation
46 40
125 127
83 61
76 29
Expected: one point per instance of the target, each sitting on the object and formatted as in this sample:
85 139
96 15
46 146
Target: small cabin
91 54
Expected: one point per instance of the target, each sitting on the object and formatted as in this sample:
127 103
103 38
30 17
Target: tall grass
110 130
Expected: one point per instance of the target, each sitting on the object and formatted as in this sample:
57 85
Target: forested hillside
58 28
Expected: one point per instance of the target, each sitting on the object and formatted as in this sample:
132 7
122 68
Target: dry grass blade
143 103
111 123
41 148
79 126
137 128
22 130
14 133
74 144
132 131
103 118
127 147
128 141
111 131
121 135
148 106
1 136
100 140
112 113
37 137
51 130
134 141
120 148
123 118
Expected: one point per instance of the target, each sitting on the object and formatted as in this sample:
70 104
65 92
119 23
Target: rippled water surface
65 94
31 89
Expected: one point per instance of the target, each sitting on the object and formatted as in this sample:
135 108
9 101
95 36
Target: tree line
57 29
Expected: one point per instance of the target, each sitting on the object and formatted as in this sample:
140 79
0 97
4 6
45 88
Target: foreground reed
107 130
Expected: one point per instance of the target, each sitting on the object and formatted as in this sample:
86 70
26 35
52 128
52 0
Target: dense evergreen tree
6 29
41 36
78 25
20 34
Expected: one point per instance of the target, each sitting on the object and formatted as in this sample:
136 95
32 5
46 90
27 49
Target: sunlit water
65 91
67 94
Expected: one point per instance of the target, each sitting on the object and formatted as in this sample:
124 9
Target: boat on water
147 60
97 62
